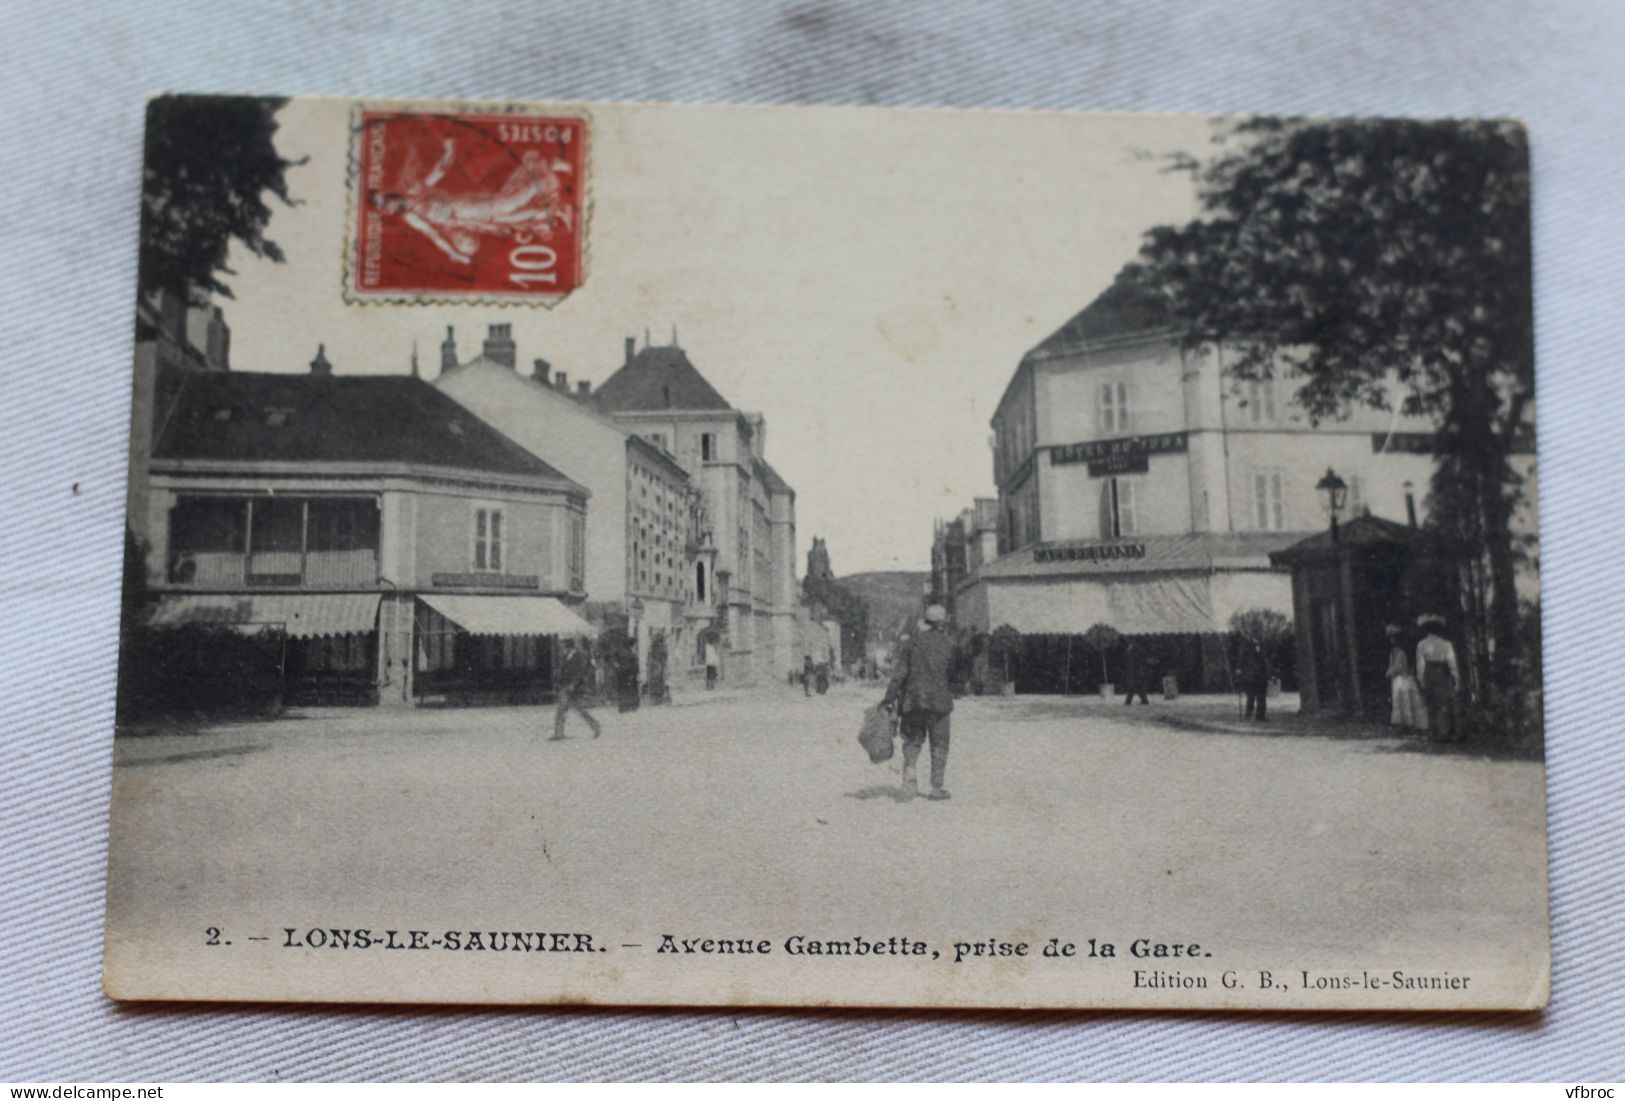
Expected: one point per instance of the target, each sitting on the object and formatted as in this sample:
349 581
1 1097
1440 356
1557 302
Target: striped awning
301 615
508 615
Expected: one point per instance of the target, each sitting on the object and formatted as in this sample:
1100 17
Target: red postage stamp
467 206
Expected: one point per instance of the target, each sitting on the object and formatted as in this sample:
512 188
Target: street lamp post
1336 492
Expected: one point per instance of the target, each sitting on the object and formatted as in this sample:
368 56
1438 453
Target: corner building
386 545
650 557
1144 486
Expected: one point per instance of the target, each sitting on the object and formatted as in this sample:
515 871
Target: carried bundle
879 730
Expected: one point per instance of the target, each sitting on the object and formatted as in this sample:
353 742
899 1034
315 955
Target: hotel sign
1131 455
1404 443
487 580
1106 552
1423 443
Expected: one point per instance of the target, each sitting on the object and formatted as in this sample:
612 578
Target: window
488 540
708 446
1269 502
578 551
1119 513
1113 408
1261 401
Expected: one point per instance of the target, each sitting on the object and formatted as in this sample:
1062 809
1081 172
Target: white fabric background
74 77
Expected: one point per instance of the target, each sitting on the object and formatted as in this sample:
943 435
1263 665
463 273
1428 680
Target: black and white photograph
590 553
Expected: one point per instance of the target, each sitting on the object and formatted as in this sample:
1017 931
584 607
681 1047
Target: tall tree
210 163
1387 262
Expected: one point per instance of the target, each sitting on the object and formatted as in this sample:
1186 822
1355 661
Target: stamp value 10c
460 207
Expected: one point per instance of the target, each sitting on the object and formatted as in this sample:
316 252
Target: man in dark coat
1135 673
573 682
1255 677
920 691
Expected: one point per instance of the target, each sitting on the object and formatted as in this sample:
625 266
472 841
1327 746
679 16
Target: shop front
489 649
311 648
1168 601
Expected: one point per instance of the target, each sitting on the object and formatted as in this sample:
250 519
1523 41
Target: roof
1129 307
771 479
657 453
1141 554
1126 308
1367 532
245 417
658 378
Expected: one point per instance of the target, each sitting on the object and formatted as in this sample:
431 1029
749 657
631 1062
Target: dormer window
456 427
276 418
221 413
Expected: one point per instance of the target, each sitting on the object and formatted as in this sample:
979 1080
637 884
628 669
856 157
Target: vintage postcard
705 555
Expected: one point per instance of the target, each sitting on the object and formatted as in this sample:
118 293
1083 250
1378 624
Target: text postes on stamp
481 207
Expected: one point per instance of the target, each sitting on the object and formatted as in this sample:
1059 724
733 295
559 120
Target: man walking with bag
920 692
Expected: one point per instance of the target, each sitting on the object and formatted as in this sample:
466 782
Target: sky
867 279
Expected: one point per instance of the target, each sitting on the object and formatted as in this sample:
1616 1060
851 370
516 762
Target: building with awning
651 552
1143 485
1178 589
390 546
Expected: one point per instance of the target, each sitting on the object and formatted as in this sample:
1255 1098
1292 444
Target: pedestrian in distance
658 691
573 683
807 675
713 664
1436 670
1255 677
623 658
1135 674
1408 711
920 693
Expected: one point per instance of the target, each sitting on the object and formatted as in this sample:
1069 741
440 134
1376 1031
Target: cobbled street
746 815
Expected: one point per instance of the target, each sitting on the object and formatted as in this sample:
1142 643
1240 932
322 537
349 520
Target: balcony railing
337 569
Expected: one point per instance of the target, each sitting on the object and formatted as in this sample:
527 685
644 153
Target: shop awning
1174 604
301 615
508 615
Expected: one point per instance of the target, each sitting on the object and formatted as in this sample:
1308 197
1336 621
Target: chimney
562 381
217 350
1410 503
631 349
583 388
319 366
448 352
538 370
499 345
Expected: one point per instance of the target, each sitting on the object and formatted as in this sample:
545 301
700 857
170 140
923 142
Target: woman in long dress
1409 712
1440 679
